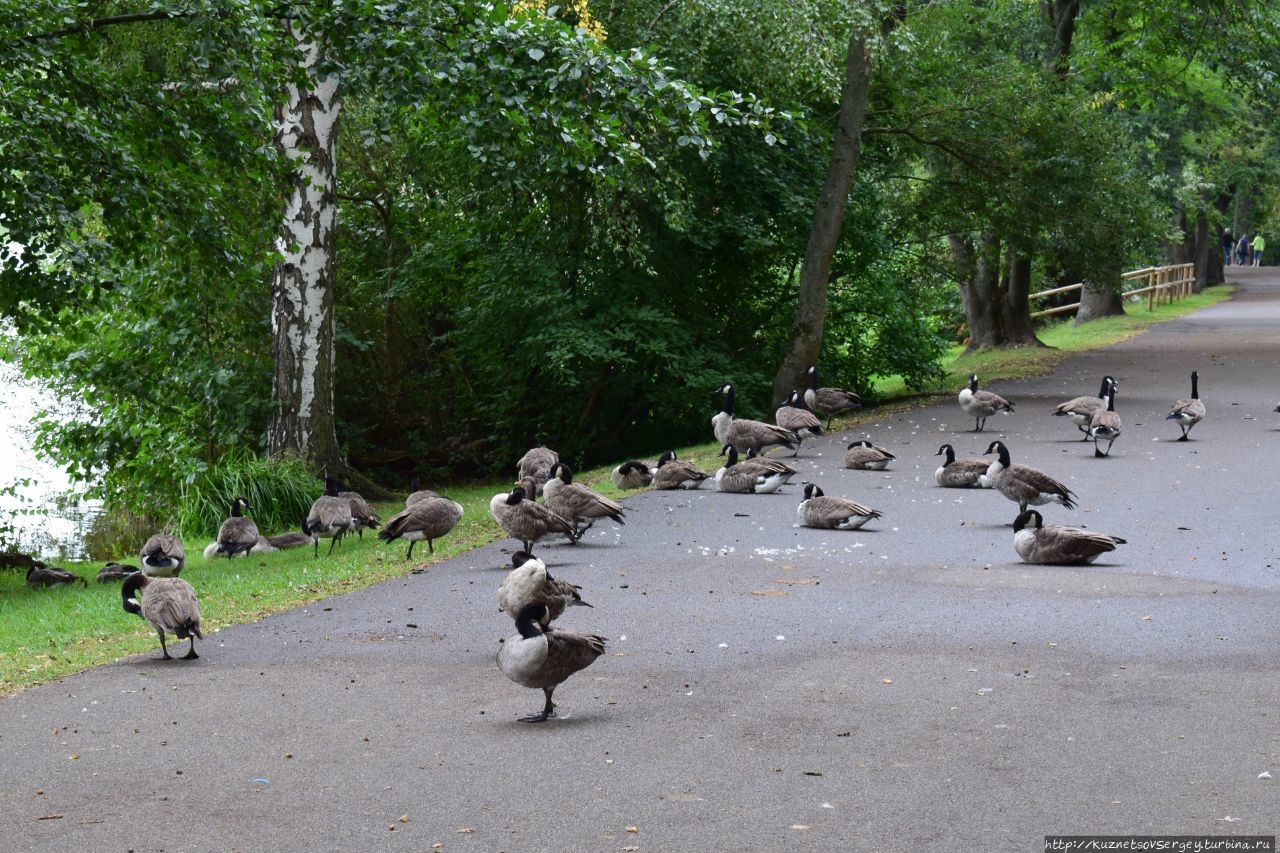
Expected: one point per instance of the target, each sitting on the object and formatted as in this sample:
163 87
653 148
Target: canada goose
527 521
538 658
1036 542
162 556
747 434
751 476
169 604
1022 483
829 402
1105 425
417 493
632 475
429 519
676 473
292 539
1188 413
39 575
795 416
115 572
536 465
959 473
865 456
263 546
330 516
830 513
576 502
238 534
529 582
981 405
1080 409
362 515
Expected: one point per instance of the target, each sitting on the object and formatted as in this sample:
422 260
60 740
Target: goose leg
164 648
191 655
409 555
332 543
548 710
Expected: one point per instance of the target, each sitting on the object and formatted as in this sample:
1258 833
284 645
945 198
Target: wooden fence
1158 284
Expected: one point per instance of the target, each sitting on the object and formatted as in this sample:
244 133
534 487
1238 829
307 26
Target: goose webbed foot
191 655
548 710
1184 437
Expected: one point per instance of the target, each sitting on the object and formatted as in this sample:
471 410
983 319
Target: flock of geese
542 656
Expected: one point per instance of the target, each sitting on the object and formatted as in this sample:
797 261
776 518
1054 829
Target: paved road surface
906 687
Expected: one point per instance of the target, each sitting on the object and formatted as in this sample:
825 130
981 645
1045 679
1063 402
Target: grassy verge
50 633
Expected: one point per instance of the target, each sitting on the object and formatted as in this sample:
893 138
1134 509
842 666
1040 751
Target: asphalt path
910 686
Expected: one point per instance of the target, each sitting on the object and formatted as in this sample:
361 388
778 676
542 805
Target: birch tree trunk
805 343
303 280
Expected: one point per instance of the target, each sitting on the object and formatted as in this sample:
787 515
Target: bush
279 491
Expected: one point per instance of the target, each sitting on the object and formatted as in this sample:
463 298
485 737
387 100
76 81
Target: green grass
49 633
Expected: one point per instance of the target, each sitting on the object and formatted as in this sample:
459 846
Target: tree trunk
805 343
1206 254
302 282
1101 298
996 307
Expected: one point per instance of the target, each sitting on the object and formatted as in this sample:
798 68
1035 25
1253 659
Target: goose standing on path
747 434
427 519
529 582
330 516
169 604
673 473
544 659
1079 410
527 521
576 502
536 465
981 405
1188 413
959 473
632 474
795 416
865 456
162 556
829 402
1036 542
1106 425
238 534
1023 484
831 513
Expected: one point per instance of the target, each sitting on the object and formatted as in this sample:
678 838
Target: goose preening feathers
865 456
417 493
237 535
758 476
831 513
1023 484
1037 542
115 572
536 465
959 473
169 604
529 582
162 556
1105 425
1188 413
427 519
632 474
747 434
577 503
330 516
362 515
1079 410
981 405
829 402
38 575
795 416
673 473
545 658
527 521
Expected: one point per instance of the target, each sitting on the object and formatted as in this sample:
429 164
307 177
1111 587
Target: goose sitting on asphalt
1105 425
829 402
673 473
38 575
865 456
631 474
529 582
536 465
981 405
162 556
959 473
1023 484
330 516
794 415
1037 542
576 502
758 476
1190 412
831 513
527 521
169 604
237 535
745 434
1079 410
545 658
427 519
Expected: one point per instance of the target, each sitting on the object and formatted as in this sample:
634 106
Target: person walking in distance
1242 250
1258 245
1228 243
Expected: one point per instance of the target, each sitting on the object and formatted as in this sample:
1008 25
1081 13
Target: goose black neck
527 620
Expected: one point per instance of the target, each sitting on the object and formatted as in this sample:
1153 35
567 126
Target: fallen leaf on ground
770 592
